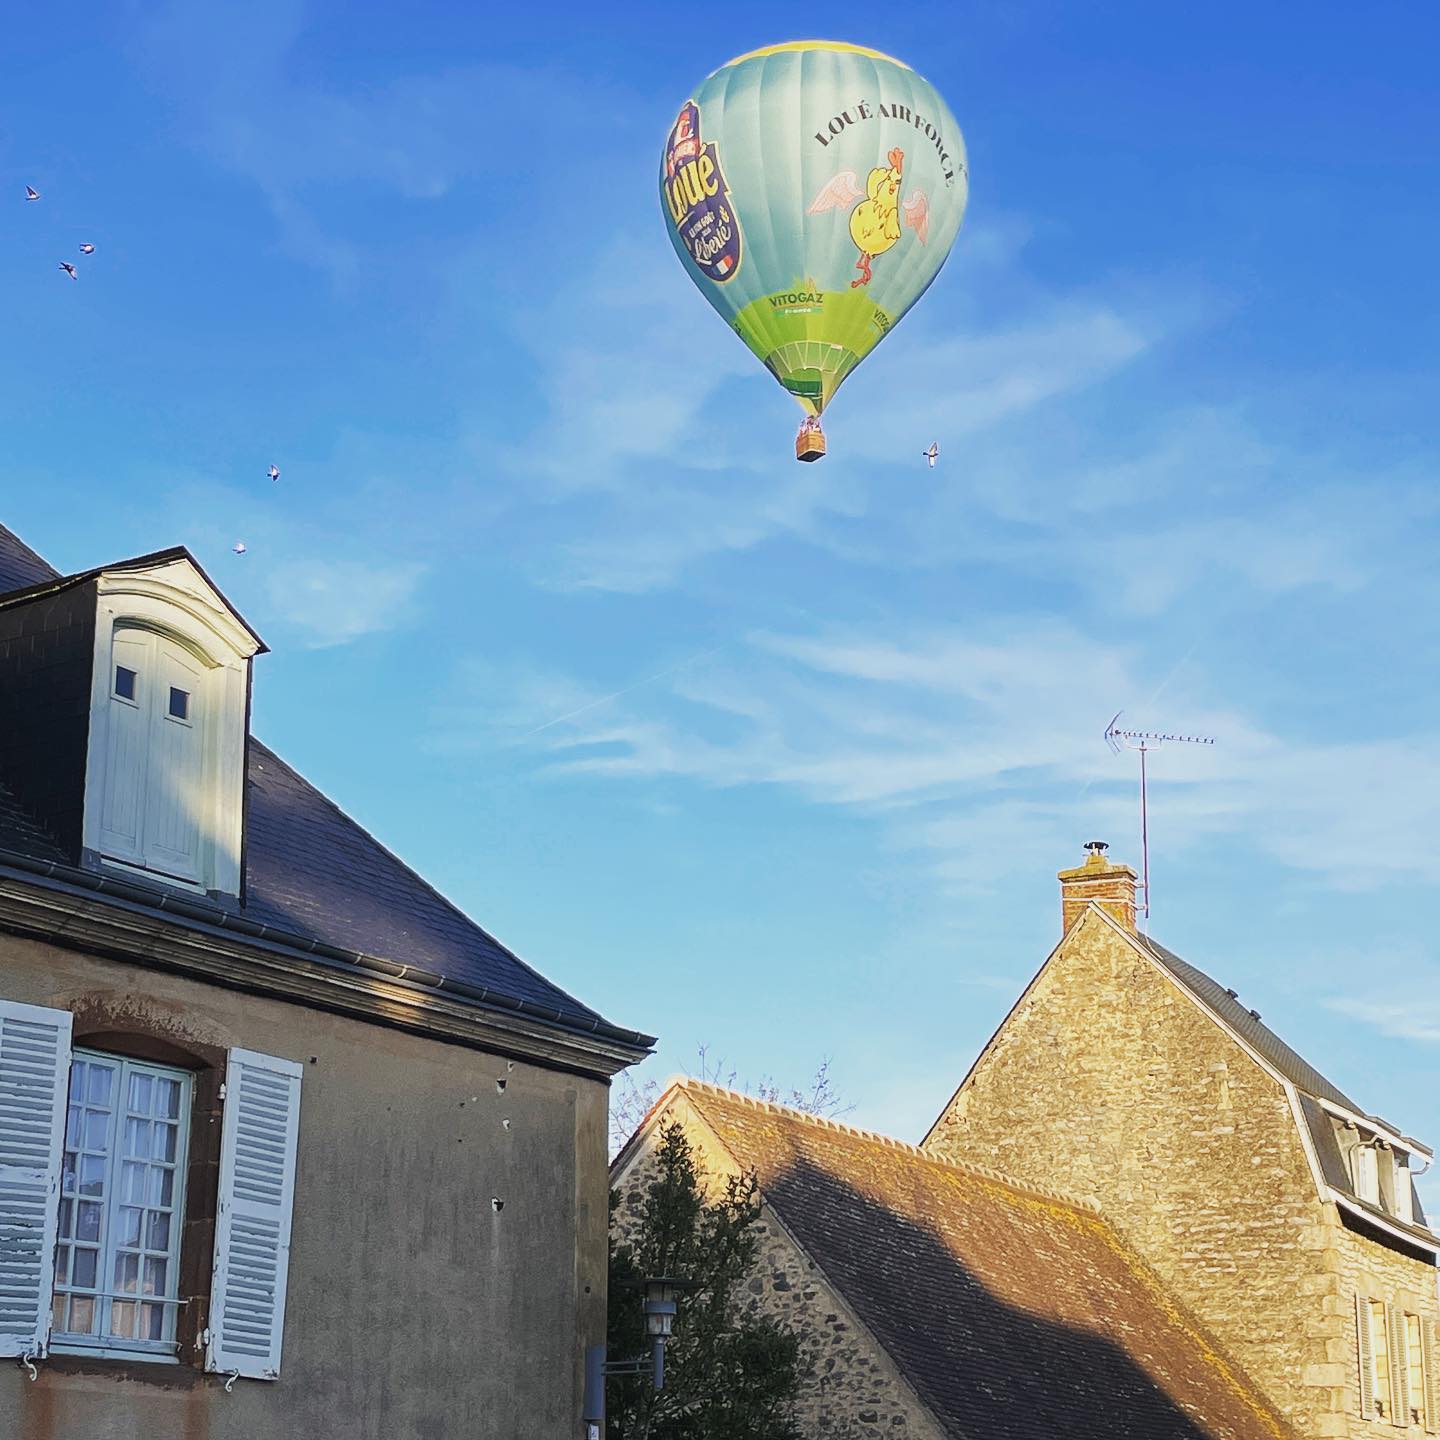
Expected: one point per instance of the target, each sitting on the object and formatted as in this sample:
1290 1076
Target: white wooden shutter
1399 1365
34 1083
1427 1345
252 1224
1366 1349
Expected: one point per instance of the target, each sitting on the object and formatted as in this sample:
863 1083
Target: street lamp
659 1304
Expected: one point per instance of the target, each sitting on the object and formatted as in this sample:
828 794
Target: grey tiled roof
1307 1080
1013 1313
19 564
312 873
1227 1007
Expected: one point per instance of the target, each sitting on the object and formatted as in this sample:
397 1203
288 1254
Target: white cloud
966 745
333 602
1410 1019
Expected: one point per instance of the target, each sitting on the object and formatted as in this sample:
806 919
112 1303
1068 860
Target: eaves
110 917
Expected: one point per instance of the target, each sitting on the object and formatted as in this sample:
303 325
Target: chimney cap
1097 847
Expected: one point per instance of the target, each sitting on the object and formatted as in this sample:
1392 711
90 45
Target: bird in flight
69 269
87 249
932 454
273 472
31 193
239 547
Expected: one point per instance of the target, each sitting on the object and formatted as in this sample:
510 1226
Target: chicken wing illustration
875 220
917 214
840 190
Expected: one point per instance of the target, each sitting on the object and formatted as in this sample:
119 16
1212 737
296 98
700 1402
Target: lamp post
659 1303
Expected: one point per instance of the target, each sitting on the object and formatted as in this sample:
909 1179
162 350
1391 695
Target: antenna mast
1144 741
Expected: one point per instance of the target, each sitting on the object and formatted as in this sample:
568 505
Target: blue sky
782 759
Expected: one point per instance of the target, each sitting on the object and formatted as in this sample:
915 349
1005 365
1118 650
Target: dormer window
165 773
1365 1164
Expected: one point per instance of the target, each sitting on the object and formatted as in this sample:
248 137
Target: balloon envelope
813 191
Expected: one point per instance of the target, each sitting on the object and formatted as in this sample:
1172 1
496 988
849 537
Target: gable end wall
851 1389
1108 1079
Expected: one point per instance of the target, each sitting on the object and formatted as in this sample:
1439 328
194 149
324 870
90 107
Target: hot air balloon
812 191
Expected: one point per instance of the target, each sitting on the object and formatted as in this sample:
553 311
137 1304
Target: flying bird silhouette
239 547
273 472
932 454
87 249
69 269
31 193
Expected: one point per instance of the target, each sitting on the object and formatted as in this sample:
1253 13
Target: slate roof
1307 1080
1014 1313
1227 1007
20 565
314 876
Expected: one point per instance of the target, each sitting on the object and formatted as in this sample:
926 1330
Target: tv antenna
1144 741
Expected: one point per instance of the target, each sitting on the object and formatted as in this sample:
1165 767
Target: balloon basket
810 442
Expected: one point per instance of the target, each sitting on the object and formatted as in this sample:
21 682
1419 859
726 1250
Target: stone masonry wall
851 1390
1358 1265
1109 1081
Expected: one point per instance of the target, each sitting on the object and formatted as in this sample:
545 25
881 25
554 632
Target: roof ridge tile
967 1167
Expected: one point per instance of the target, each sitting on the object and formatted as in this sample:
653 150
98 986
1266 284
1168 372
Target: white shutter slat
34 1083
252 1225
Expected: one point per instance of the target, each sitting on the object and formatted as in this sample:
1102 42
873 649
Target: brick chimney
1110 886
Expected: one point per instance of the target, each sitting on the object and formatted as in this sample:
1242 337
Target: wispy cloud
966 745
1414 1018
332 602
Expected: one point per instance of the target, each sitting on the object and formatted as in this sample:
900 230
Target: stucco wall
1107 1079
850 1389
416 1311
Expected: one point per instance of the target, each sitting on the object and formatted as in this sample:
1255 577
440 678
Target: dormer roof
174 562
319 888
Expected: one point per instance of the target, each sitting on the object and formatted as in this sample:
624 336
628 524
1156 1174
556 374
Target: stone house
939 1299
289 1146
1278 1210
1140 1214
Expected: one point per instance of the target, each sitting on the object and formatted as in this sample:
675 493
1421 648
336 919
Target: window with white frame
92 1167
1365 1163
122 1198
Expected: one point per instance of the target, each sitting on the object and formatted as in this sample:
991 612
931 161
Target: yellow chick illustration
875 221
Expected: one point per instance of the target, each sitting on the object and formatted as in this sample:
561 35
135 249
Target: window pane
124 683
122 1319
155 1272
97 1130
167 1099
67 1218
99 1084
92 1174
165 1143
132 1185
83 1275
87 1220
82 1315
137 1139
140 1090
162 1187
179 703
157 1233
127 1231
127 1274
74 1118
